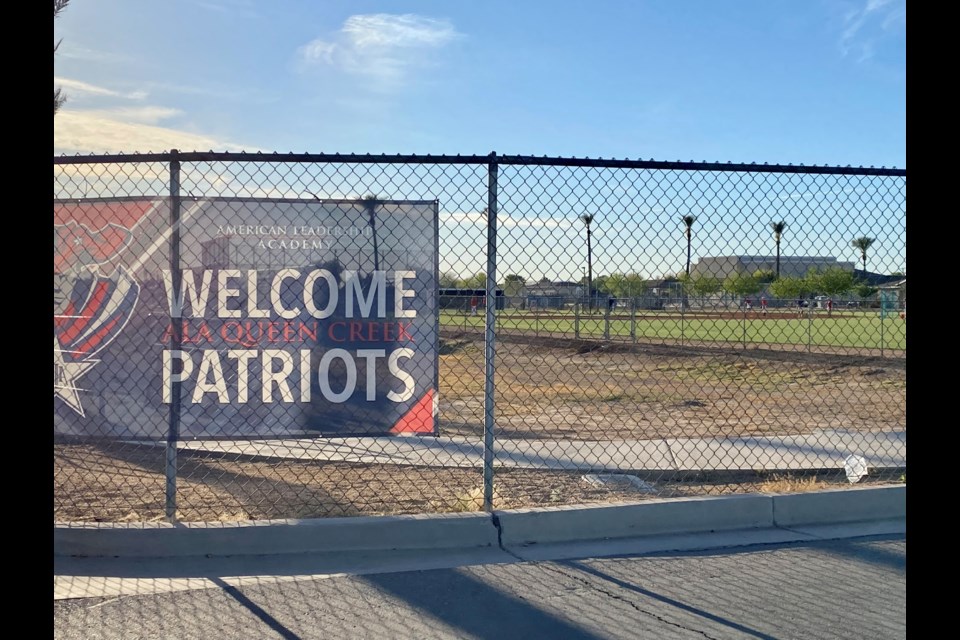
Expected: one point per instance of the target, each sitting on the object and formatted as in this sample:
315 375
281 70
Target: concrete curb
510 528
264 537
840 506
523 527
653 517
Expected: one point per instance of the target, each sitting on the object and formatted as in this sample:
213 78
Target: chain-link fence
247 336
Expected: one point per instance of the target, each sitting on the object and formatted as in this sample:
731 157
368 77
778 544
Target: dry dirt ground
555 389
546 389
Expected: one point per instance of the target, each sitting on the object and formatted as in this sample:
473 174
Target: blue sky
819 82
778 81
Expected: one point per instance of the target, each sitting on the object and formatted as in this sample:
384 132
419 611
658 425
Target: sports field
845 329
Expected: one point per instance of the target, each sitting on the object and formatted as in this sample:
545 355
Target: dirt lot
547 390
553 389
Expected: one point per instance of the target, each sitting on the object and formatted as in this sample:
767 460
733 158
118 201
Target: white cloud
243 8
381 47
895 20
74 52
385 31
864 27
129 131
143 115
318 51
506 221
77 86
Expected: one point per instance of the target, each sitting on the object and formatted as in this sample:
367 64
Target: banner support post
490 333
176 339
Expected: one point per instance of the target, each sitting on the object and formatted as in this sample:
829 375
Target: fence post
744 325
606 323
176 339
683 306
882 315
490 333
576 320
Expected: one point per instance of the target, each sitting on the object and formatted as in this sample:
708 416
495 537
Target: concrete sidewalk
823 449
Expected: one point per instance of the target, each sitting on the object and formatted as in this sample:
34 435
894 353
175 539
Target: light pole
370 203
688 223
587 220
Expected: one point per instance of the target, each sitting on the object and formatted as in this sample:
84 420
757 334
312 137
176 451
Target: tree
861 244
476 281
764 276
778 228
703 286
600 284
512 284
634 285
58 96
700 286
448 280
587 219
864 291
688 222
790 287
614 285
741 284
832 282
624 285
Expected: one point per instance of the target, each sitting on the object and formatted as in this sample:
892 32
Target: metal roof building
724 266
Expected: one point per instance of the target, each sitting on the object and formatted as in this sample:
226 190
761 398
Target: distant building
898 286
554 295
663 286
661 292
879 279
724 266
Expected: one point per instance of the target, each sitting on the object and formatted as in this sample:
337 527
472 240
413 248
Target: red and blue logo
94 299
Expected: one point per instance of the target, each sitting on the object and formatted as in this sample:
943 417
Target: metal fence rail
606 330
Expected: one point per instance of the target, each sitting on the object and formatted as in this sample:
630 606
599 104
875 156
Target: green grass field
859 329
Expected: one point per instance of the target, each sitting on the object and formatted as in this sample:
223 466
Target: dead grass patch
787 483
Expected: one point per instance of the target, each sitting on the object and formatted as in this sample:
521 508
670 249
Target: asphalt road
849 588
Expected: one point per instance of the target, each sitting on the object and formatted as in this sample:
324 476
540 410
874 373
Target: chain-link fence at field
248 336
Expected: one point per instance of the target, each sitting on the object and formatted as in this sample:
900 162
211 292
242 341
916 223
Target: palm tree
861 244
587 220
778 228
688 221
370 204
58 96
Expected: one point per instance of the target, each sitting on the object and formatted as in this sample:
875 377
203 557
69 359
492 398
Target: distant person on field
473 305
799 307
763 304
748 303
829 306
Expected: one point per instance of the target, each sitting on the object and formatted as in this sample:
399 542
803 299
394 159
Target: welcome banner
247 318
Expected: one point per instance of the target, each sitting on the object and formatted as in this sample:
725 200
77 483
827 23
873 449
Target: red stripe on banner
65 320
93 341
97 214
90 310
99 245
419 419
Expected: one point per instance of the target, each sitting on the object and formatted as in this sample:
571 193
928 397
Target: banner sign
248 318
